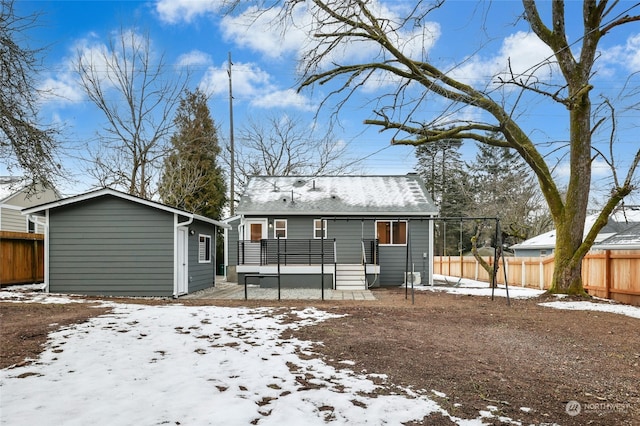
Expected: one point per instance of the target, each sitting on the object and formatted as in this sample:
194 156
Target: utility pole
231 147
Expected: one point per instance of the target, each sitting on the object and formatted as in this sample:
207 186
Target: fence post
523 274
607 274
541 274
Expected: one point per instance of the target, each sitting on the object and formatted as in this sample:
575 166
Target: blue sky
479 38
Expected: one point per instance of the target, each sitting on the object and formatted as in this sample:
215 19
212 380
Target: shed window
318 227
204 249
392 232
280 228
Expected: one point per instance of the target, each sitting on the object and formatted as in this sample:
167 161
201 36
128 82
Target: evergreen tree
192 179
445 176
504 187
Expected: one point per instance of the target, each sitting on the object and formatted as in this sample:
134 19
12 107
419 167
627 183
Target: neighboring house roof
112 192
618 222
403 195
14 191
629 239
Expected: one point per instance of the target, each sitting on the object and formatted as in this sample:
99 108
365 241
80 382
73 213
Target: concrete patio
229 290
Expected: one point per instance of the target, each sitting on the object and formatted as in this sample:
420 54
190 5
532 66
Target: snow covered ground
151 365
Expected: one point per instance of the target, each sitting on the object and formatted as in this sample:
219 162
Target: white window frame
318 227
276 228
204 248
391 222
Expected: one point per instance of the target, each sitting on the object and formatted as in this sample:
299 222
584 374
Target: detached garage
109 243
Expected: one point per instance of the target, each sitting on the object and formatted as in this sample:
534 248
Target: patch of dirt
24 327
466 352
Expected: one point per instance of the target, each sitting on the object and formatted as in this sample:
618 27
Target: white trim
354 214
206 237
286 229
177 225
391 221
247 228
323 227
45 225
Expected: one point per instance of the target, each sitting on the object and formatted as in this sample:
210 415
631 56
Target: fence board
21 258
610 274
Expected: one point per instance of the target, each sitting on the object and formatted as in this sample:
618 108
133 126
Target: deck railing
291 252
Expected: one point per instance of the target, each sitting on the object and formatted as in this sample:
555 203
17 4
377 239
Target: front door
182 267
254 231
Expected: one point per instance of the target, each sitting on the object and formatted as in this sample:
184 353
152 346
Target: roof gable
113 193
335 195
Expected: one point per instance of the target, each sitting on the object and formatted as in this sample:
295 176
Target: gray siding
289 281
348 235
109 246
201 275
393 259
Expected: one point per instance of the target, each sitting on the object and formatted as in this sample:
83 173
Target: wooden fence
610 274
21 258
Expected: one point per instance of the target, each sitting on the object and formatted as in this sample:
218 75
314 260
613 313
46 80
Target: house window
392 232
204 249
280 228
31 227
318 227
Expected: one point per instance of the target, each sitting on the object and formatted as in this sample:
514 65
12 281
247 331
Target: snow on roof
329 195
618 222
627 239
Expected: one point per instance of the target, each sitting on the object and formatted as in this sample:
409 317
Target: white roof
113 192
337 195
548 239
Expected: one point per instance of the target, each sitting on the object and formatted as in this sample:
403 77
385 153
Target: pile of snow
470 287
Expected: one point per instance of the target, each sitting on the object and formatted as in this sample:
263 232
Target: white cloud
522 53
248 80
627 55
283 99
261 31
599 169
252 84
175 11
193 58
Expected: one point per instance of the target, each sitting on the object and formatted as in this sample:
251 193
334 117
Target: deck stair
350 277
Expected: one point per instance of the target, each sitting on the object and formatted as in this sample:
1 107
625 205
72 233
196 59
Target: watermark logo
573 408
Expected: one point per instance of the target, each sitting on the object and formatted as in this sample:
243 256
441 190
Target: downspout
45 225
430 262
175 250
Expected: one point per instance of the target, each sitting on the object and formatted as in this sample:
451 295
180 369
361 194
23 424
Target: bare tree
341 24
132 89
285 146
25 144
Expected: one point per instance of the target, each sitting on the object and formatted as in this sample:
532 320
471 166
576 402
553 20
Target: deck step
350 277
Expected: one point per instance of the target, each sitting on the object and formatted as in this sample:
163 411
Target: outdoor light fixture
192 231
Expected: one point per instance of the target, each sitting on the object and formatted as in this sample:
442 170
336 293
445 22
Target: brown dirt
476 351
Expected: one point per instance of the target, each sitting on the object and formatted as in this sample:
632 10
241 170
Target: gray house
544 244
353 231
15 196
107 242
